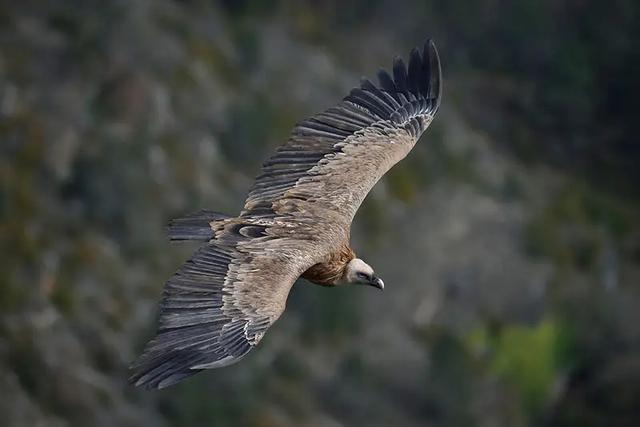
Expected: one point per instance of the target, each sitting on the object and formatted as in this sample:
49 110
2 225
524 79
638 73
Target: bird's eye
362 276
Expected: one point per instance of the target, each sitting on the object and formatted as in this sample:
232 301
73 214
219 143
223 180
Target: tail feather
195 226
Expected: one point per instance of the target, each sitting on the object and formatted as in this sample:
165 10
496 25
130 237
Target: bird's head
359 272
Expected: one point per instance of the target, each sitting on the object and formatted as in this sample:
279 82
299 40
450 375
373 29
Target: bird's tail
195 226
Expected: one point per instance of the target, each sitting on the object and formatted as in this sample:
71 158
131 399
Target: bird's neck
331 271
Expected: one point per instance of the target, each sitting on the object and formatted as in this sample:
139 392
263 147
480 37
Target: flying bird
295 223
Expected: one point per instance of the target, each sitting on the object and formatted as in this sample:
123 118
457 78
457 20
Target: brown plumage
331 271
295 222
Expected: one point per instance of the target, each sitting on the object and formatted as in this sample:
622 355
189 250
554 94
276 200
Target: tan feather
330 271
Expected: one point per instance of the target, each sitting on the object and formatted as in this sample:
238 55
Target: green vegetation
531 359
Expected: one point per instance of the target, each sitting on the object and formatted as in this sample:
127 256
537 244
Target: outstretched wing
333 159
216 308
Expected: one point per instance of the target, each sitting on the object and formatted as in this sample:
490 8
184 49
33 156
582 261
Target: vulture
295 223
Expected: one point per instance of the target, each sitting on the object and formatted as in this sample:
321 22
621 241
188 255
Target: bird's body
295 223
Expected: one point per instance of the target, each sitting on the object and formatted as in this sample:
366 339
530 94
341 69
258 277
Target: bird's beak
377 282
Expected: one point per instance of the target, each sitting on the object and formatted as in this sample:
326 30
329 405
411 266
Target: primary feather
296 219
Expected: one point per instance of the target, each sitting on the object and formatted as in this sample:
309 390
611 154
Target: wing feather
336 156
218 305
400 74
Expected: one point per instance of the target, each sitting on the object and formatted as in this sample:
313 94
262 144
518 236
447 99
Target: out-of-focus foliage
563 73
529 357
509 239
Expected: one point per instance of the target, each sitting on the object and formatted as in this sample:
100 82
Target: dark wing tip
417 82
431 62
406 90
422 78
386 82
400 74
143 379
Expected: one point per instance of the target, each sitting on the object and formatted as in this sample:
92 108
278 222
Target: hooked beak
377 282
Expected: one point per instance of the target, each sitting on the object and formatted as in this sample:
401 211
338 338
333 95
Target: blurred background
509 239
